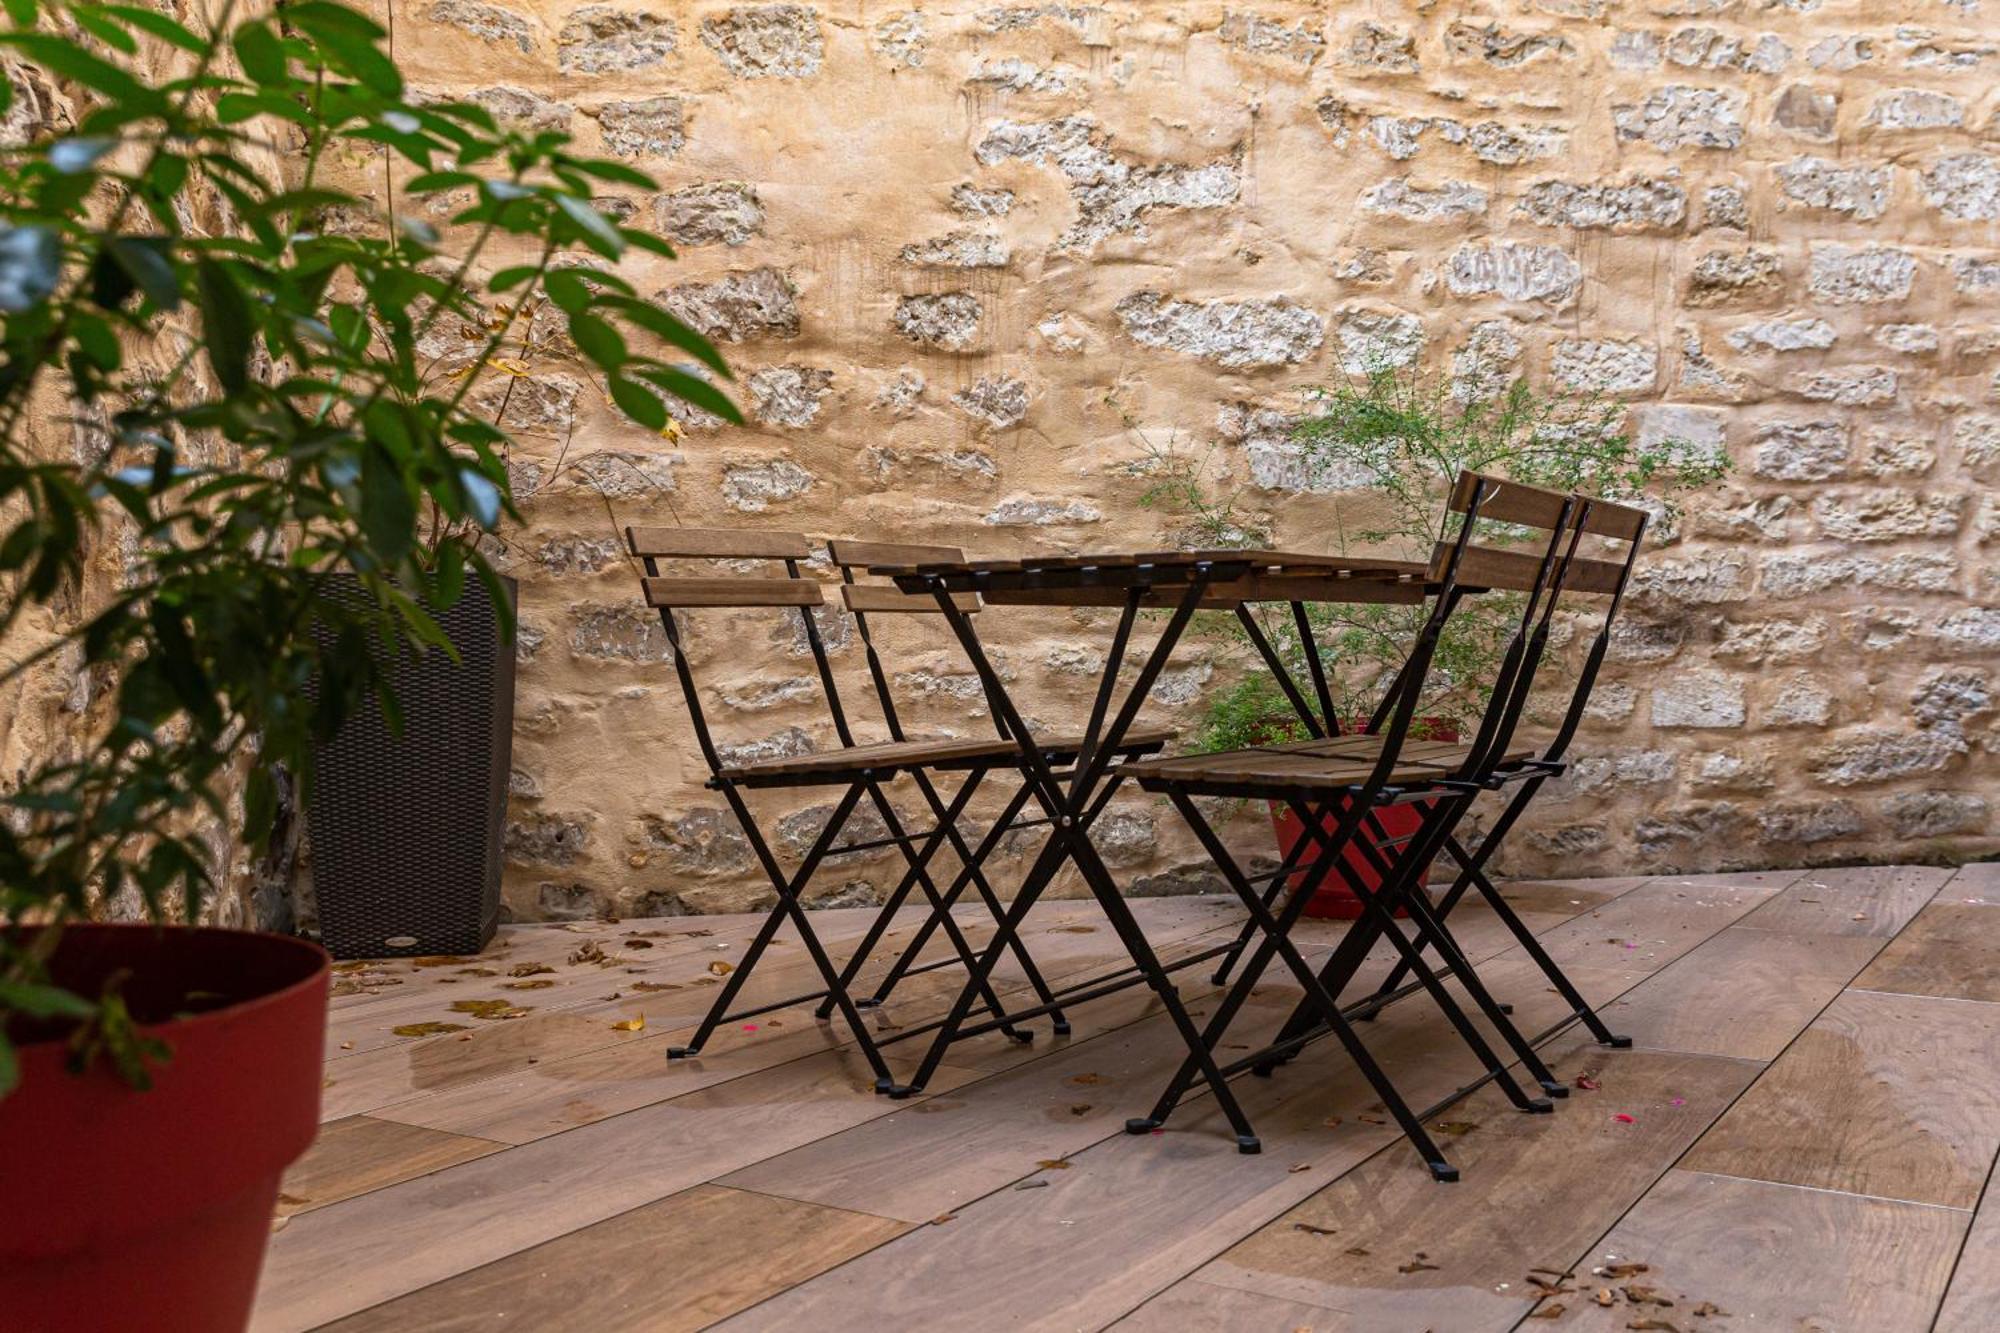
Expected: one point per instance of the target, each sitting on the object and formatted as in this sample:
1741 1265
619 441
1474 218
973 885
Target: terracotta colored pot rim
312 961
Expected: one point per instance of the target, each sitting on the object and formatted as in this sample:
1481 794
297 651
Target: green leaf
598 234
388 514
615 172
67 60
655 320
73 155
431 182
104 29
693 389
351 41
261 54
317 16
146 261
158 25
227 324
30 266
567 289
598 341
638 402
482 497
42 1001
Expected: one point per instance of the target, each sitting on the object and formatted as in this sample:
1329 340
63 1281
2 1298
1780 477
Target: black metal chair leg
1384 913
894 902
915 947
941 912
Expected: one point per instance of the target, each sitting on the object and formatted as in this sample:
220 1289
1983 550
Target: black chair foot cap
1504 1008
1443 1172
1141 1125
1539 1106
1060 1027
1619 1043
1368 1017
1021 1035
1249 1144
899 1092
1555 1089
872 1002
683 1052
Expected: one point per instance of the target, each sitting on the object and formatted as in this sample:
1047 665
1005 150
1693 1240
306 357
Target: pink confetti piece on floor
749 1027
1624 1119
1680 1101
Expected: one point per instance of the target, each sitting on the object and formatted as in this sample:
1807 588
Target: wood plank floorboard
359 1154
1772 1257
1390 1247
666 1267
1896 1096
552 1171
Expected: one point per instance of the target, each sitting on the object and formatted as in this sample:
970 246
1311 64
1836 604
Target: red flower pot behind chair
1333 899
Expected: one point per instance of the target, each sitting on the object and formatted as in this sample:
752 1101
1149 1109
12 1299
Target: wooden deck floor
1802 1137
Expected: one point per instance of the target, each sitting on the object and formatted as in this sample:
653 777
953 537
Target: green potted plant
232 500
1397 438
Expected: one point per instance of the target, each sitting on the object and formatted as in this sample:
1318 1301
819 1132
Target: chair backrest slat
859 555
1532 506
680 592
716 544
1516 571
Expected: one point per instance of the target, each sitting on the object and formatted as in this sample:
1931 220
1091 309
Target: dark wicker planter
406 830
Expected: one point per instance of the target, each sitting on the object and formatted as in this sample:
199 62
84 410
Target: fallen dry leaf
479 971
1605 1297
1553 1310
527 985
1653 1324
529 969
1416 1266
442 960
655 985
1086 1080
942 1218
1640 1295
1053 1164
591 952
486 1008
1075 930
1080 1108
1456 1128
636 944
1709 1310
1312 1230
636 1024
1358 1251
1624 1270
426 1029
1302 1166
718 968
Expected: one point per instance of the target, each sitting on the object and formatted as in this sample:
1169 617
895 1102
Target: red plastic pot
1333 900
124 1210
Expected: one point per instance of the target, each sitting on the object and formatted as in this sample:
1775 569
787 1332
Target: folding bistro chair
862 769
1583 576
1333 784
882 598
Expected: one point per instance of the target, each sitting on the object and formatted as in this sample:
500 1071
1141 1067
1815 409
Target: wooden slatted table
1180 582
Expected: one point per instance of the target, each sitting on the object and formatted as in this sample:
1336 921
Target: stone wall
973 261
